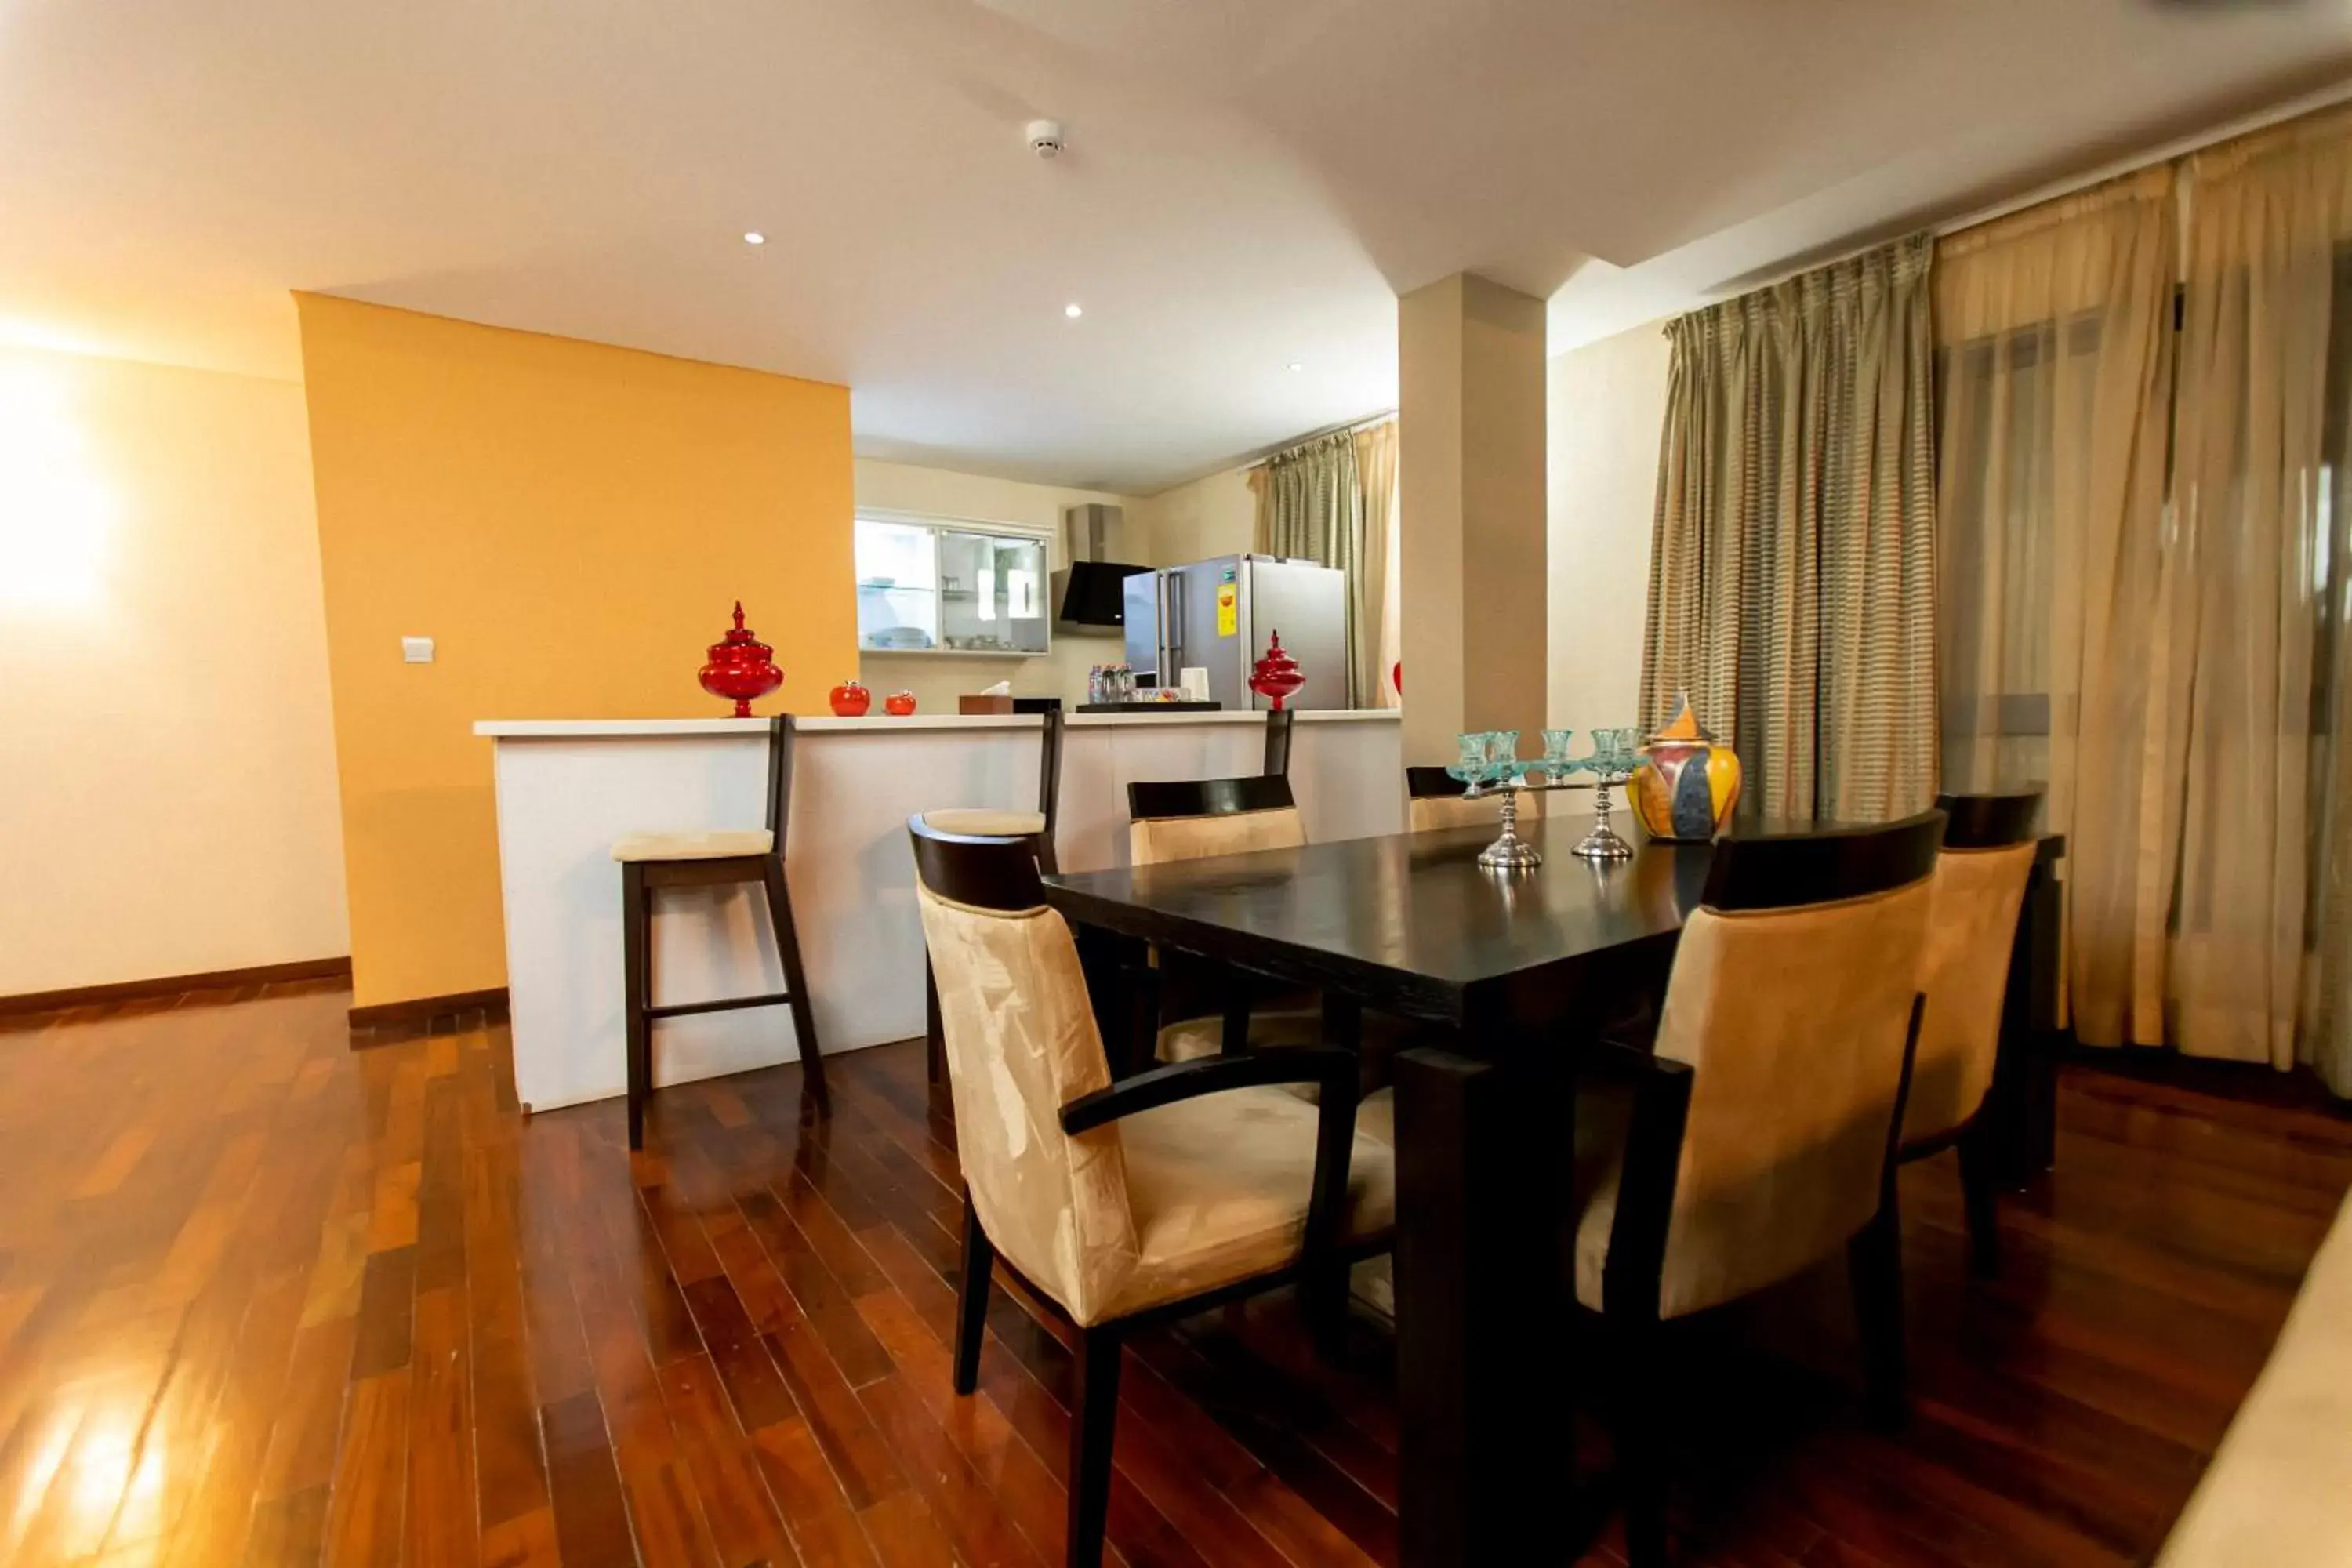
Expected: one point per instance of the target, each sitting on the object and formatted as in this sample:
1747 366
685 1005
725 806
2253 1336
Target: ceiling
1247 183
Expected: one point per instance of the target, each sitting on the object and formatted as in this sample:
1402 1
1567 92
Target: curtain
2054 382
1792 559
1379 650
1333 500
2256 585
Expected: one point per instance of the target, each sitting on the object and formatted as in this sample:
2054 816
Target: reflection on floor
267 1300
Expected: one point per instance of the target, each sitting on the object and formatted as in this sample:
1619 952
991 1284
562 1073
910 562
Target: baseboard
173 985
422 1009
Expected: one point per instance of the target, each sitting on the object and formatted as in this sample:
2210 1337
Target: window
928 586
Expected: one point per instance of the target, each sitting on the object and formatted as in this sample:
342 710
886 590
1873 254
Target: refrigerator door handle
1171 632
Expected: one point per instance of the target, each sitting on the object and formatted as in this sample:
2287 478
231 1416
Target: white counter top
589 729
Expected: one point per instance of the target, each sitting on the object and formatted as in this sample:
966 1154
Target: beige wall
1606 405
1214 515
937 679
167 802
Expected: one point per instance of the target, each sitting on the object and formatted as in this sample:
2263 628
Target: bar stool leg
636 968
788 949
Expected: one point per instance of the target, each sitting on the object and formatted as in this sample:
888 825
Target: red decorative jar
741 667
898 704
1278 675
850 700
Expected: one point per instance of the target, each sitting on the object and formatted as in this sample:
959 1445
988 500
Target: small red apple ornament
742 667
850 700
898 704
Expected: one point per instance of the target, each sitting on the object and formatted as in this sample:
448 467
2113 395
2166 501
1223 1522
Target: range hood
1089 594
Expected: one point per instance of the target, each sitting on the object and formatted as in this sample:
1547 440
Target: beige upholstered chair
1433 799
987 822
1123 1203
1758 1138
1990 846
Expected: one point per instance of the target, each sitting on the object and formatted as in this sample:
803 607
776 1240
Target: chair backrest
1193 819
1989 849
1791 1001
1021 1042
1434 799
780 777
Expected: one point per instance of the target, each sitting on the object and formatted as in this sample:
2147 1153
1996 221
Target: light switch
416 650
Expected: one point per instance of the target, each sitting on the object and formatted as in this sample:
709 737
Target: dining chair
1434 799
1758 1136
1122 1204
1989 845
1037 826
652 861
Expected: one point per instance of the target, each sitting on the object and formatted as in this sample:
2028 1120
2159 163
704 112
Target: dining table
1507 975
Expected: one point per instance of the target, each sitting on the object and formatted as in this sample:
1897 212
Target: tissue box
970 704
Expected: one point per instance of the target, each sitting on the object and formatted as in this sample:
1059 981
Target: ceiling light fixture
1296 365
1072 311
753 237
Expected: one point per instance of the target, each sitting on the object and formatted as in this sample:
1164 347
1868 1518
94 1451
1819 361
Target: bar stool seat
976 821
693 846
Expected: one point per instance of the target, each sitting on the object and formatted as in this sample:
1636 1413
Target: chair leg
971 1297
1092 1416
788 949
1980 1182
636 965
1637 1416
1874 1269
935 1041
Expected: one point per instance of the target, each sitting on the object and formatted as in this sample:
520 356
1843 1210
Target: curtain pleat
2054 362
1792 564
1377 649
1314 503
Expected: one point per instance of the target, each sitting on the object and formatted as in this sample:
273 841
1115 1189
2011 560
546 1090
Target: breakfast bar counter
568 789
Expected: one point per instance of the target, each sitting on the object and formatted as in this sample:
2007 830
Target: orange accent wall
570 522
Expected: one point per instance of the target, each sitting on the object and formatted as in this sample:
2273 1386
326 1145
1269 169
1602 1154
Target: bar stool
653 860
983 822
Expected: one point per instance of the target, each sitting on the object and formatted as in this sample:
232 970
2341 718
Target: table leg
1110 962
1485 1439
2022 1107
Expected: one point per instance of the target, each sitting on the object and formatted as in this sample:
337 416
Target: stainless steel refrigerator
1218 614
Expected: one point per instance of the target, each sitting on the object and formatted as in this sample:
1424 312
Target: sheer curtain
2053 379
2257 698
1332 499
1791 569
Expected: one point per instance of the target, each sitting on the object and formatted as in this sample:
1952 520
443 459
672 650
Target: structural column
1470 425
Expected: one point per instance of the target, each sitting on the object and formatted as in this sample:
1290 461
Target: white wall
1607 404
937 679
167 804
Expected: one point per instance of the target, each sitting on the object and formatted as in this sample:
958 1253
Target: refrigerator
1218 614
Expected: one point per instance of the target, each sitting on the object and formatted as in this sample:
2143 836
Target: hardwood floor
267 1300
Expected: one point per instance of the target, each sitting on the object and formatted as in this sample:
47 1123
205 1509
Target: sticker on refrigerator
1229 609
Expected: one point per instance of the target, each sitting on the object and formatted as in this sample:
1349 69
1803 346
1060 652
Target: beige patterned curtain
1792 566
2055 380
2255 665
1333 500
1377 649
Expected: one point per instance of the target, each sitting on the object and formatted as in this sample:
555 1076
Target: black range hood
1089 594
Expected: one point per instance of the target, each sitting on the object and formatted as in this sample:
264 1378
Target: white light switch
416 650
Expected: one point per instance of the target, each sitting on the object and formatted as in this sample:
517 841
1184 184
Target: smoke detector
1045 137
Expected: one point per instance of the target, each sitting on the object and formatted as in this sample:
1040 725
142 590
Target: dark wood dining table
1510 972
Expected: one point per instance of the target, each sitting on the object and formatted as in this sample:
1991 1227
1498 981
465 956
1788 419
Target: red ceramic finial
742 667
1278 675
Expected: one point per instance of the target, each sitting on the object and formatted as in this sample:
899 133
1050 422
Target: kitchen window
930 585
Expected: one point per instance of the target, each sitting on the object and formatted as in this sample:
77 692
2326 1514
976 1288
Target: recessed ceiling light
1072 311
753 237
1296 365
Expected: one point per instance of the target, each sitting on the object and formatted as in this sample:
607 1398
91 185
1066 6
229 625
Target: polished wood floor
266 1299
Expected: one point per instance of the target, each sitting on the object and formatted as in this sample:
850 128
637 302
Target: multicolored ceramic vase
1686 785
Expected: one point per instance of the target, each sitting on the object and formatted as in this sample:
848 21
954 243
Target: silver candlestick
1511 852
1602 843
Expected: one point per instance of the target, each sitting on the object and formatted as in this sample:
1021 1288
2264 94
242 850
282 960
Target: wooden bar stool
653 860
981 822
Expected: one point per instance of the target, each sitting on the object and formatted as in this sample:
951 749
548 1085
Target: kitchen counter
568 788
